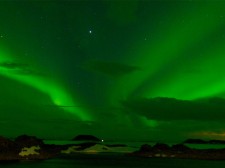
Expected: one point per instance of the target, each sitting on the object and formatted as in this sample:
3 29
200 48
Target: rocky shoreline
26 148
31 148
179 151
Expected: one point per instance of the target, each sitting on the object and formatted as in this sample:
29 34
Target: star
90 31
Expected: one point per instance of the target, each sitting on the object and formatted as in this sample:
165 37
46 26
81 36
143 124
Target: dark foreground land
31 148
179 151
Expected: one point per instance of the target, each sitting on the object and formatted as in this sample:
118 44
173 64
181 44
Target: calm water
118 161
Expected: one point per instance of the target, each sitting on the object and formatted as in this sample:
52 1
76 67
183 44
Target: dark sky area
117 69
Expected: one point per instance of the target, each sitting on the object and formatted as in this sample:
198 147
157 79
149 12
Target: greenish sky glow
58 96
138 70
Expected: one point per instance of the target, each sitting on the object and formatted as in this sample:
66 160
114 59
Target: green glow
207 81
149 123
57 94
179 37
214 81
185 37
98 56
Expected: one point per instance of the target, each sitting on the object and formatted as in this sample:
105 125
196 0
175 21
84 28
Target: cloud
170 109
13 65
112 68
19 68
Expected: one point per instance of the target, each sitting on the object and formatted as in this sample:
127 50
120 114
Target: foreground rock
27 148
8 150
179 151
28 141
32 148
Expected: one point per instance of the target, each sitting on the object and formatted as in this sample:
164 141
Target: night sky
120 70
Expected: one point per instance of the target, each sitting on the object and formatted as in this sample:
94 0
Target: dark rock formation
86 138
8 150
6 144
146 148
180 148
27 147
31 148
28 141
161 147
179 151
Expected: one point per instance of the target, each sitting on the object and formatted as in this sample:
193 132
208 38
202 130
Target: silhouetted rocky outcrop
8 150
161 147
28 141
6 144
180 148
146 148
179 151
27 147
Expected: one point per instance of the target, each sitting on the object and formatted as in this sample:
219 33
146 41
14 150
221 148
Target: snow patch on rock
71 149
30 151
97 148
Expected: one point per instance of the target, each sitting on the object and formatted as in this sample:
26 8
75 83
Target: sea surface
116 160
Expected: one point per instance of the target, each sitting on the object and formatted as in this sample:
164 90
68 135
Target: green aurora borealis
137 70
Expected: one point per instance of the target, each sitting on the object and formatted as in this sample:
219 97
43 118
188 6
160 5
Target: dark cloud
19 68
13 65
112 68
179 130
169 109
